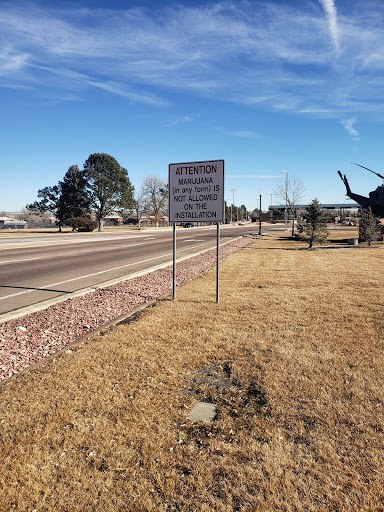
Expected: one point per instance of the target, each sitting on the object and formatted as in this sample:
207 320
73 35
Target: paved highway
35 269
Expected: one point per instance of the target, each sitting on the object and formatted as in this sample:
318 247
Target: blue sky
271 86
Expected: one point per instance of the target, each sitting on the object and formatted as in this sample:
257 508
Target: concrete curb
105 327
5 317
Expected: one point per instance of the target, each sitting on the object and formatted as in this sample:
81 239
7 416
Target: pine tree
369 227
69 198
315 229
74 200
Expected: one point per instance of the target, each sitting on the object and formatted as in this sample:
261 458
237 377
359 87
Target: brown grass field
292 357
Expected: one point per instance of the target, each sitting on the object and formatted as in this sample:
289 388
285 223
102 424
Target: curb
118 320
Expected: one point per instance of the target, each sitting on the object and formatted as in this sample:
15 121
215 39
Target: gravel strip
25 341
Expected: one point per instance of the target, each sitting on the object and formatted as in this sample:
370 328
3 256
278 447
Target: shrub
315 227
81 224
369 227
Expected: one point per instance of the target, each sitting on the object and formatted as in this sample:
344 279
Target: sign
196 191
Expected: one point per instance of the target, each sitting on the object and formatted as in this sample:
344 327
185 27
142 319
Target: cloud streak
251 176
349 126
330 10
265 55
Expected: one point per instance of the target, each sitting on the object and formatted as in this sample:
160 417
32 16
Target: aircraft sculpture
375 199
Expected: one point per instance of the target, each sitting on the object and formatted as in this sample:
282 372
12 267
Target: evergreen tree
67 199
108 185
74 200
369 227
315 229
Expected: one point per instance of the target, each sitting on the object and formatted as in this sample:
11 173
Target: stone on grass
203 411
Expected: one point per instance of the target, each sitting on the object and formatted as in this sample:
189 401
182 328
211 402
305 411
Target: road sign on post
196 194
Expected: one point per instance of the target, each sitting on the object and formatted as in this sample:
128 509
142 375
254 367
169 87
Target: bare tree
155 195
140 204
32 217
290 191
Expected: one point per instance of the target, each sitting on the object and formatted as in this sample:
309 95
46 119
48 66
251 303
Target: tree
290 191
67 199
50 202
315 228
74 200
243 212
227 214
140 205
108 185
369 227
32 216
155 194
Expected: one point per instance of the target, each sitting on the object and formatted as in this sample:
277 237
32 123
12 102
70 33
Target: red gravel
31 338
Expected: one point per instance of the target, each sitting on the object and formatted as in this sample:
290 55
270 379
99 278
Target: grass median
292 357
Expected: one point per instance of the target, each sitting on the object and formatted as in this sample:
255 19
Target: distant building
113 220
8 223
337 208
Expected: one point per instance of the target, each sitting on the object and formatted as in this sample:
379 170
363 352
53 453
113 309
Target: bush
315 227
81 224
370 229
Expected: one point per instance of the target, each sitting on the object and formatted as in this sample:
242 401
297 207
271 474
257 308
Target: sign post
196 194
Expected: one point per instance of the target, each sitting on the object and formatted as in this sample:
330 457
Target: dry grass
292 357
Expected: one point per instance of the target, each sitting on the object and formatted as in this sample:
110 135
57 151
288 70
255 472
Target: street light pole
260 231
286 200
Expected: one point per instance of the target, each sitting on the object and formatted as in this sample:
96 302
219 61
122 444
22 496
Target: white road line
81 277
17 261
119 246
37 288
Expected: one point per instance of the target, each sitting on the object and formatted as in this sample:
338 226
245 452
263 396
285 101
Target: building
340 210
8 223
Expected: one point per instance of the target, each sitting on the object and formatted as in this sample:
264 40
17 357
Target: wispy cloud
251 176
349 126
330 10
266 55
11 61
179 120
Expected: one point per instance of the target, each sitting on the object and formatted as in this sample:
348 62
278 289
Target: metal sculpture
375 199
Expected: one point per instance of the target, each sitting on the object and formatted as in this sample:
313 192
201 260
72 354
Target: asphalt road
43 268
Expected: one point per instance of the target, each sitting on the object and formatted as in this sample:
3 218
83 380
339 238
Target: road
36 269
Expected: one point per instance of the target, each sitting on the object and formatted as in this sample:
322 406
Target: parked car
188 225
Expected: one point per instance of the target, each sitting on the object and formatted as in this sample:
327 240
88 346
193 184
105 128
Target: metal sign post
217 263
174 262
196 194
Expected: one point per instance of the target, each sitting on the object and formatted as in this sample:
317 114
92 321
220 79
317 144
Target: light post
286 200
260 231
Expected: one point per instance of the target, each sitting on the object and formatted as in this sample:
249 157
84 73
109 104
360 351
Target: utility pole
260 231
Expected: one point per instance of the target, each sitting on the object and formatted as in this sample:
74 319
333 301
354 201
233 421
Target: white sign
196 191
